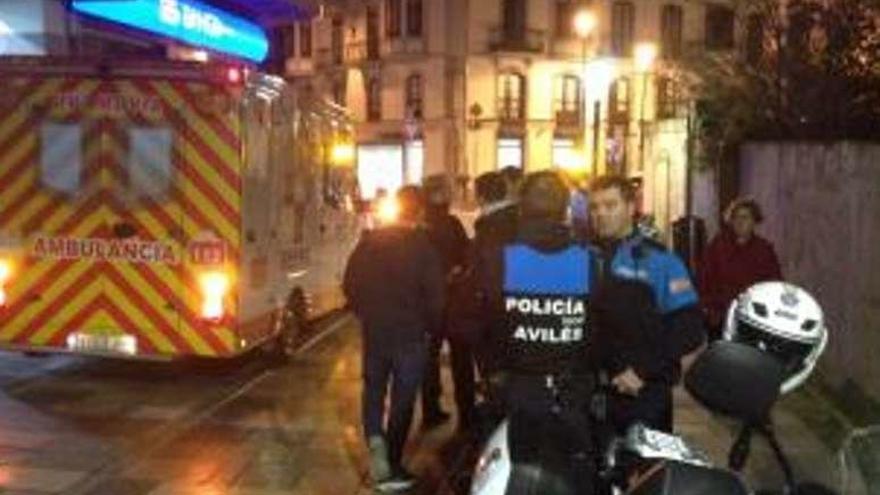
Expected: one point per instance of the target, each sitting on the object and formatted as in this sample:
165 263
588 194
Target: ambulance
165 210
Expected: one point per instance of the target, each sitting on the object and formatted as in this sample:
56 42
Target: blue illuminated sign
190 21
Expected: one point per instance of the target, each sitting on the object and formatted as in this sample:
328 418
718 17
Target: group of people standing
543 315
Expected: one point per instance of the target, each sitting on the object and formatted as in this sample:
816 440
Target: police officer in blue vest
536 290
644 298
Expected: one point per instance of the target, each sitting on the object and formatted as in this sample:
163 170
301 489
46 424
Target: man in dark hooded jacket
394 282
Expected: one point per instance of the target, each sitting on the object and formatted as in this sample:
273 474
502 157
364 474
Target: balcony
300 67
323 58
511 113
569 118
361 51
518 41
355 52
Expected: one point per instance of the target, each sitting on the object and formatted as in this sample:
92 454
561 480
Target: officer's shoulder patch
679 285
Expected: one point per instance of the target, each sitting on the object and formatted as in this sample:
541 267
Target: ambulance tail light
215 286
5 276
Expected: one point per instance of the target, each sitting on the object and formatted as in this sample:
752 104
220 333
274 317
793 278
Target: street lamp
584 24
600 73
645 55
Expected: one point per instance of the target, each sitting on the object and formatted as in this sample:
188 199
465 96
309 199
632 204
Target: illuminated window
415 162
379 167
565 155
510 153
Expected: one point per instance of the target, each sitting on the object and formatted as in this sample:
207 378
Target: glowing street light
601 74
645 55
585 23
342 153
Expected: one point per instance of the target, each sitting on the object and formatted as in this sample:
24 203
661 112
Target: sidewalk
811 459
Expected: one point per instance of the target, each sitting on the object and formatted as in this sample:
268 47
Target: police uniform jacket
645 308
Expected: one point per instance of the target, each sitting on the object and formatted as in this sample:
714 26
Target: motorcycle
730 379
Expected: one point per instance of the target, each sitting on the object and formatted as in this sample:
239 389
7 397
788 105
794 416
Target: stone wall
822 204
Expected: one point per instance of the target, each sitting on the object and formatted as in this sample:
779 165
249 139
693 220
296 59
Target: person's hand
688 360
628 383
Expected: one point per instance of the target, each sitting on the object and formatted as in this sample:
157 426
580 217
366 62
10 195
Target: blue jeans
404 367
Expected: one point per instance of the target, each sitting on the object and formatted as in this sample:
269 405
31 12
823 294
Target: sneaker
380 469
400 480
434 420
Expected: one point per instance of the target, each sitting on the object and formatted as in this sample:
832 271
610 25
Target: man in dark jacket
394 283
498 213
449 238
496 226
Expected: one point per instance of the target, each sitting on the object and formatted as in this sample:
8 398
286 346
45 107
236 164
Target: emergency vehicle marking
142 287
134 251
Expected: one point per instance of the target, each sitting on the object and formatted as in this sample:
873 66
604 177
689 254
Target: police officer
647 302
536 290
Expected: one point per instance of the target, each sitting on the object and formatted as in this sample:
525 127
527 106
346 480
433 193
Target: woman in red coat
734 260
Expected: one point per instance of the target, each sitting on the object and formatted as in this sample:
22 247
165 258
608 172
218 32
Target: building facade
467 86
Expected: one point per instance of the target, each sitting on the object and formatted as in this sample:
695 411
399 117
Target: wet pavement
91 427
88 426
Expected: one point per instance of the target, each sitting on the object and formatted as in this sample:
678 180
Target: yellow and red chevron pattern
50 298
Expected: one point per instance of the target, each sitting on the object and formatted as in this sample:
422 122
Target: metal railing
504 39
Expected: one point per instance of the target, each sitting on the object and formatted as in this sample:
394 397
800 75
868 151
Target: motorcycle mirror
736 380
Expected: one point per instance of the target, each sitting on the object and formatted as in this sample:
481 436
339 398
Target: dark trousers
550 427
462 364
404 367
652 407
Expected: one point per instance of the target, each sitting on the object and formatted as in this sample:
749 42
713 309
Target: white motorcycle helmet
783 320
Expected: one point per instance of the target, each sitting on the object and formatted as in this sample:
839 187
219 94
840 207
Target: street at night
84 426
439 247
95 427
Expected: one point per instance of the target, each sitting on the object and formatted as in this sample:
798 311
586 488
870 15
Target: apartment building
467 86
